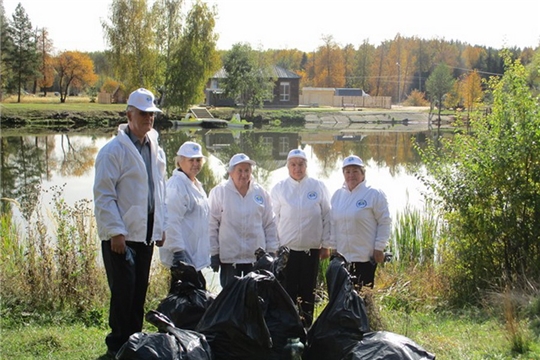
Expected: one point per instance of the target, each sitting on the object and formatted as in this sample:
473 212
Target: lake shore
50 118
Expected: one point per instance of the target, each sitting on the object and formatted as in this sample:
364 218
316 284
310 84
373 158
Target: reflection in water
32 163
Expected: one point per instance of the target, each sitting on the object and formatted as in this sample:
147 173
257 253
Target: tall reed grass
49 263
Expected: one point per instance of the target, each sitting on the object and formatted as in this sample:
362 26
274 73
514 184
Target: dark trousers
227 272
301 279
128 284
363 273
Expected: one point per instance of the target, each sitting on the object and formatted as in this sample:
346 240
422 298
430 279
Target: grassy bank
54 294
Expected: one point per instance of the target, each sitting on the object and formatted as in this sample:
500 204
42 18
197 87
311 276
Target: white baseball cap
352 160
143 100
190 149
297 153
239 159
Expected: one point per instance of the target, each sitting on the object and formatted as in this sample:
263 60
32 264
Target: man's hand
378 256
324 253
118 244
159 243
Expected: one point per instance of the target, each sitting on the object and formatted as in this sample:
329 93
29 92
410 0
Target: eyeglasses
146 113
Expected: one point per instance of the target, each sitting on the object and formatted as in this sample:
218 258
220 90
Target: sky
302 24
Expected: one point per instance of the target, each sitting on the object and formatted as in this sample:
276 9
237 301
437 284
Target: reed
49 264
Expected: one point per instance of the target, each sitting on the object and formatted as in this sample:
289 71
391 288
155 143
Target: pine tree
22 58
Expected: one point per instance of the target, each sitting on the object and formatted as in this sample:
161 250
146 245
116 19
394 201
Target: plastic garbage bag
342 331
187 300
170 343
252 318
383 345
343 321
275 263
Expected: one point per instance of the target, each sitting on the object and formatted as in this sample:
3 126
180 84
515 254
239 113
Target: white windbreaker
188 211
240 225
360 222
121 189
302 210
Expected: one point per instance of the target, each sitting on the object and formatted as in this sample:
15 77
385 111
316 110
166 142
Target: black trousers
128 283
301 279
363 273
227 272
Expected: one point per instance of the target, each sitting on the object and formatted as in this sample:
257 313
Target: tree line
172 51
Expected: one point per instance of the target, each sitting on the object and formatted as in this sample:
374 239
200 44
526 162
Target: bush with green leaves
487 186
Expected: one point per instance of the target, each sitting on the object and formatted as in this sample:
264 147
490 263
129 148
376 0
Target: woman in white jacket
187 208
241 221
302 209
360 222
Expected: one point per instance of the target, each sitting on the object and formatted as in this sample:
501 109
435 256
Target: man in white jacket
302 209
129 196
241 221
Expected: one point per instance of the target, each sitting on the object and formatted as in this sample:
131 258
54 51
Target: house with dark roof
286 89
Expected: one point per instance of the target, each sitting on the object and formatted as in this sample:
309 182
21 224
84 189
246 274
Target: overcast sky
301 24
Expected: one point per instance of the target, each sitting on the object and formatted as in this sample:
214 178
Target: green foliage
194 59
39 274
21 55
488 186
438 84
130 33
248 80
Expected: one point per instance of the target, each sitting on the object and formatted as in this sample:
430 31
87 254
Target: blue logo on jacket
259 199
312 195
361 204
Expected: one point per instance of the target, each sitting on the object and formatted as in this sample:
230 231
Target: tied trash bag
343 321
170 343
252 318
187 300
275 264
342 331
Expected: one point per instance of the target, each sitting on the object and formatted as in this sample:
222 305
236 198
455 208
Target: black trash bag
187 300
170 343
383 345
252 318
275 264
343 322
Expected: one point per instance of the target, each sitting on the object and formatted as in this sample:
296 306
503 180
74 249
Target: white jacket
302 210
239 225
187 209
121 189
360 222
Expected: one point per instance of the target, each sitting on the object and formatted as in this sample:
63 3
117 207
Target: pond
34 164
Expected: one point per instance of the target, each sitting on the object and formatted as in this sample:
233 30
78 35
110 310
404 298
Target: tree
46 65
132 38
168 31
249 79
487 184
471 90
329 67
23 58
74 69
194 59
6 47
438 84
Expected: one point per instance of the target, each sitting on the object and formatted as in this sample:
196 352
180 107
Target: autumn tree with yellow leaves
471 90
74 69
